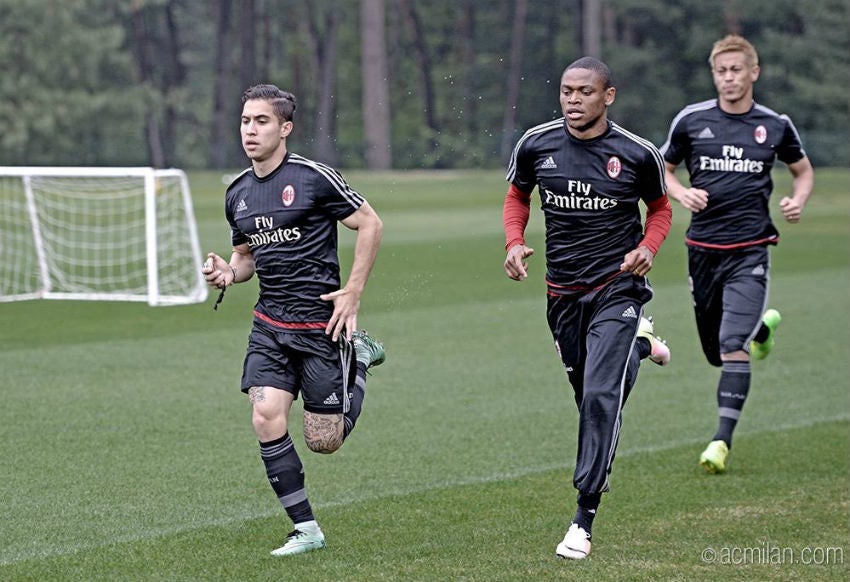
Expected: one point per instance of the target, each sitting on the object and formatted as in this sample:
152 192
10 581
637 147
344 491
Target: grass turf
128 452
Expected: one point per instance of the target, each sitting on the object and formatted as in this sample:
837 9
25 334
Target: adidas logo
705 134
332 399
241 207
548 164
759 270
630 312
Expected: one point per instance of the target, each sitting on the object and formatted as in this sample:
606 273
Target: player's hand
344 318
791 209
638 261
516 266
217 271
694 199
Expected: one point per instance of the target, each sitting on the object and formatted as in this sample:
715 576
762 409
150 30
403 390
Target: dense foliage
157 82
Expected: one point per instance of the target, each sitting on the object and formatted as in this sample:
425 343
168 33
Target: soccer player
729 146
283 213
591 175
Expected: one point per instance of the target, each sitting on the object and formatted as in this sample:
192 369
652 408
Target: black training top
730 157
589 193
289 219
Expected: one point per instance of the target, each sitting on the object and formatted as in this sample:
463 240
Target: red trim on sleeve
515 215
659 216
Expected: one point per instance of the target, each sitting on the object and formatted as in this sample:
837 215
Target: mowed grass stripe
507 529
549 427
362 497
150 378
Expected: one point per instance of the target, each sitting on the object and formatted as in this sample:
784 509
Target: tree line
387 83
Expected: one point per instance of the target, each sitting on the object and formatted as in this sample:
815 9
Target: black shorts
306 363
729 290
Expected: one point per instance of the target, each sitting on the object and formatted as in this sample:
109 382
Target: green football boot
369 351
713 458
760 350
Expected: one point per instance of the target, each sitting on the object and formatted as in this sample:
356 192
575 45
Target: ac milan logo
614 166
288 195
760 134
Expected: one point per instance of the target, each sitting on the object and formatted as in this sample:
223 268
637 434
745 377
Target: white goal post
101 234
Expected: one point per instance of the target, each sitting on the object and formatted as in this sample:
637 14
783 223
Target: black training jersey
589 193
730 157
289 219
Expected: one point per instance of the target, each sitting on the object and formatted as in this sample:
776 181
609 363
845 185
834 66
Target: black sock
644 348
586 510
732 392
762 334
286 476
357 392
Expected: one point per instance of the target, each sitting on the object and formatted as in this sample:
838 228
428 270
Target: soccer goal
101 234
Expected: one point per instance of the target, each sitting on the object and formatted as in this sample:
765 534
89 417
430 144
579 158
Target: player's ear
610 95
285 128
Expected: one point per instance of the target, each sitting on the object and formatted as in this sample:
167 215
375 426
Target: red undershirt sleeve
515 216
659 216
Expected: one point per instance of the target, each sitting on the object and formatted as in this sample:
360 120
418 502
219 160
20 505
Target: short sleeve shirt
731 157
289 220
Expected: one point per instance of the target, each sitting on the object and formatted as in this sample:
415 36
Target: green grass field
127 451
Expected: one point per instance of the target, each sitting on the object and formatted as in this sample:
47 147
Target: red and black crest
615 166
288 195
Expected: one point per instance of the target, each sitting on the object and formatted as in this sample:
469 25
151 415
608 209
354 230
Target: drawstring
346 347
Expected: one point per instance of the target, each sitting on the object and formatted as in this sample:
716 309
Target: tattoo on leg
256 394
323 432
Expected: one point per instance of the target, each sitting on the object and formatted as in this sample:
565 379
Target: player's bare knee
268 429
259 421
268 422
323 444
323 433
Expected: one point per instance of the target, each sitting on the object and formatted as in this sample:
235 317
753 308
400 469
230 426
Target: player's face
734 78
262 133
584 102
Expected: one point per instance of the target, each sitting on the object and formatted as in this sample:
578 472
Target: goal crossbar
101 234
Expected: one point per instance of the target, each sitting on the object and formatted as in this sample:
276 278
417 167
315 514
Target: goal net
103 234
